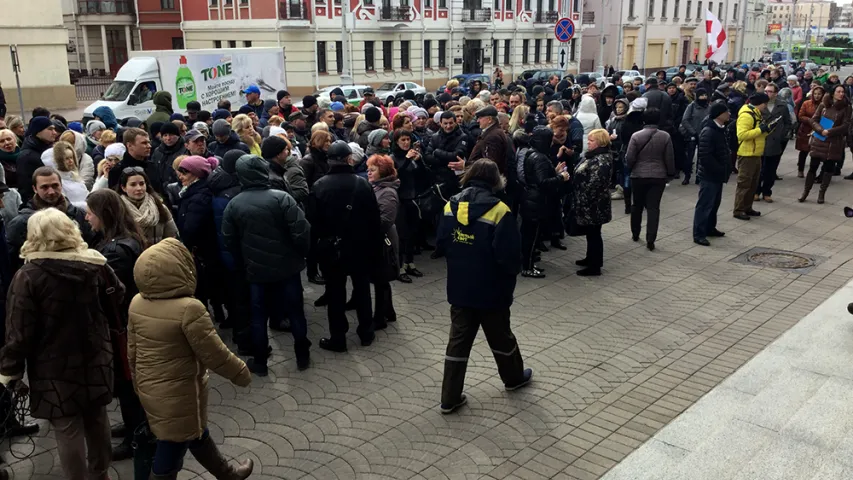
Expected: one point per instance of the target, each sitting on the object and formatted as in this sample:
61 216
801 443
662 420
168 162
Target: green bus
823 55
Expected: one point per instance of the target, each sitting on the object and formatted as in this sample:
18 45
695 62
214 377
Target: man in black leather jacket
446 153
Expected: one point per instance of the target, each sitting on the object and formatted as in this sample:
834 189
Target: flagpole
791 37
645 36
725 22
743 32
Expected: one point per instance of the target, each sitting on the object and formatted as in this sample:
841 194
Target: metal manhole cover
780 260
793 262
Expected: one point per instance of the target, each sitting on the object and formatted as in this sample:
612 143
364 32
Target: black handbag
390 261
431 201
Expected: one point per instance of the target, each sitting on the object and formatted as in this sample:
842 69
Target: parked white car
354 93
596 78
396 89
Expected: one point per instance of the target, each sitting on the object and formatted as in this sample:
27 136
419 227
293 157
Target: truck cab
130 94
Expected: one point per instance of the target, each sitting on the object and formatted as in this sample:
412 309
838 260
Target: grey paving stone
656 461
712 413
652 335
777 403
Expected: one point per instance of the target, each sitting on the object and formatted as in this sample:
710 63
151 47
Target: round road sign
564 30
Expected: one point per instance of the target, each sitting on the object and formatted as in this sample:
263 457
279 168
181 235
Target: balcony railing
588 18
107 7
547 17
293 11
477 15
395 14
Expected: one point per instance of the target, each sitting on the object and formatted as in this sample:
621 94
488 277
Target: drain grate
784 260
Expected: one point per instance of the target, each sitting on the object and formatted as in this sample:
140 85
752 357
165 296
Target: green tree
839 42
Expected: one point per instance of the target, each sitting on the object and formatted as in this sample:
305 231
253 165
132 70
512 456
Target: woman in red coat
805 112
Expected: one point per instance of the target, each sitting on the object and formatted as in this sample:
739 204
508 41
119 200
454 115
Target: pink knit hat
199 166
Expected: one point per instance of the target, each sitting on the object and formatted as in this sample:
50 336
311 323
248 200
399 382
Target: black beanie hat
272 147
155 128
717 109
758 98
308 101
169 128
372 115
229 160
281 94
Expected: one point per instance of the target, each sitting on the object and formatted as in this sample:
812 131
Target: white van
204 75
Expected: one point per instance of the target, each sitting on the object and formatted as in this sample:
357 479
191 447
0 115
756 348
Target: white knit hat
115 150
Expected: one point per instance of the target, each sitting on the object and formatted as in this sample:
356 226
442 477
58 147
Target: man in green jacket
162 108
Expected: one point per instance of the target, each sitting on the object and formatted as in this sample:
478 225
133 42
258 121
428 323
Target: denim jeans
170 455
277 301
707 206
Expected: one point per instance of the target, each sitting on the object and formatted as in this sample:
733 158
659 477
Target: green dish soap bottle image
185 84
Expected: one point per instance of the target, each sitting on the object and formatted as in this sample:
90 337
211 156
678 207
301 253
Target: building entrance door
472 57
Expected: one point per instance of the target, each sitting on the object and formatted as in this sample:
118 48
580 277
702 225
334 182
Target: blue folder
825 124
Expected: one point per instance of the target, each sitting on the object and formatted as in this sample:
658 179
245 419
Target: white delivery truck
204 75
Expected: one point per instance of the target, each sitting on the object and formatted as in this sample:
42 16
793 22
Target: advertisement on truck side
210 77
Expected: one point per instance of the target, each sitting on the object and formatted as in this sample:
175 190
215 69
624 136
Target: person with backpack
122 241
751 134
691 125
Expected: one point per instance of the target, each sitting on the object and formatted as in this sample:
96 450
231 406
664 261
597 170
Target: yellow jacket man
751 134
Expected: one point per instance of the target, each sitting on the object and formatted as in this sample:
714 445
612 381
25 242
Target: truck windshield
118 91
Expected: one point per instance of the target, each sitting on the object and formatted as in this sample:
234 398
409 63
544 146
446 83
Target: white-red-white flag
718 46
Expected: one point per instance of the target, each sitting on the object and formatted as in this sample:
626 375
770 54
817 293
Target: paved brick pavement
615 358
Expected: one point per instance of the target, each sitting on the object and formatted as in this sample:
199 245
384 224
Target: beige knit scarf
146 214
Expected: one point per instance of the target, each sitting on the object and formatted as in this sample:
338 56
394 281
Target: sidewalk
786 414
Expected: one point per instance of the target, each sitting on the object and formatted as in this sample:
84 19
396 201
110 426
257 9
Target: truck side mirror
133 99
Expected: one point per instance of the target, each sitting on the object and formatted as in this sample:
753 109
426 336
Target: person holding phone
410 168
541 185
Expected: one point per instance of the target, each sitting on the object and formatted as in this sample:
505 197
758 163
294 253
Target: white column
106 50
129 39
86 49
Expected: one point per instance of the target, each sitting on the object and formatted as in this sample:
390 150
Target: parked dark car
540 77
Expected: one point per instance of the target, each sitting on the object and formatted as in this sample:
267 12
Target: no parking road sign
564 30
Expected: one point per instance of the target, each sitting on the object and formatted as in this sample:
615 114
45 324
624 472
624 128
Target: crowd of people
122 235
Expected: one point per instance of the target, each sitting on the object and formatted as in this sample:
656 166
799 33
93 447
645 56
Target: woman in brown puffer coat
835 107
171 345
57 330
